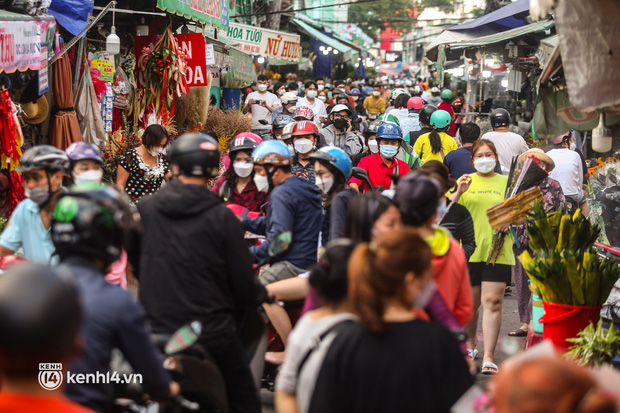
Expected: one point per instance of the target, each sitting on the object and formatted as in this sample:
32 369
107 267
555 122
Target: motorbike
362 175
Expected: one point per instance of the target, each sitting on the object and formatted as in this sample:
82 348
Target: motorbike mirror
183 338
360 173
280 243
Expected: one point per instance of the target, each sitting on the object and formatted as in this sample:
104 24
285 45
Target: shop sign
20 44
274 45
214 72
241 69
106 69
212 12
193 44
44 84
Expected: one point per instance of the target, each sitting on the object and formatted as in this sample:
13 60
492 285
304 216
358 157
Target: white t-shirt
568 171
318 108
299 342
259 112
508 146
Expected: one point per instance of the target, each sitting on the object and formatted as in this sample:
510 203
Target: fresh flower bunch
291 77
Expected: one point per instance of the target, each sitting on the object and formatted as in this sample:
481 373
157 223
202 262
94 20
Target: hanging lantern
601 136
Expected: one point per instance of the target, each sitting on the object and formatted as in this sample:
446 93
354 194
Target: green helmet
446 94
386 117
440 119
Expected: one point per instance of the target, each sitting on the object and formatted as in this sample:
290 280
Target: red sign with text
193 44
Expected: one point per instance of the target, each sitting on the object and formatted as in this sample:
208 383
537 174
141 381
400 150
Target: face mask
281 92
573 146
262 88
156 151
93 176
373 146
243 169
312 94
388 151
322 98
324 184
291 149
38 195
261 182
303 145
320 87
484 165
375 93
341 124
355 98
292 109
425 295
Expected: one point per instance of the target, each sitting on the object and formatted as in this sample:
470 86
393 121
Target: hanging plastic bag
88 111
123 92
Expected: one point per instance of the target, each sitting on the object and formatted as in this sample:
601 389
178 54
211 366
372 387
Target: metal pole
78 64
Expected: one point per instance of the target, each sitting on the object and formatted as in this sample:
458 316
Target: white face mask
373 146
93 176
291 149
355 98
324 184
243 169
262 88
303 146
312 94
292 109
484 165
320 87
156 151
261 182
375 93
322 98
281 92
573 146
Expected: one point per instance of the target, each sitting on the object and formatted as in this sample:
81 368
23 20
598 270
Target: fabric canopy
323 38
65 127
506 18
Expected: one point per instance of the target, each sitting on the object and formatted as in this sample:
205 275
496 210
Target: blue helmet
272 152
389 131
335 157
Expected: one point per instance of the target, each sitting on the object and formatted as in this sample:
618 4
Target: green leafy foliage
595 346
3 222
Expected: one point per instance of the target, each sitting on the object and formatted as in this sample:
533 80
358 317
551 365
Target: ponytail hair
435 140
377 271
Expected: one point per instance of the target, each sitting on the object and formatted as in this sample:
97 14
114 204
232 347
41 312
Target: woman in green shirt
478 192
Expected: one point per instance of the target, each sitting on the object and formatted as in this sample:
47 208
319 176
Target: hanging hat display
35 112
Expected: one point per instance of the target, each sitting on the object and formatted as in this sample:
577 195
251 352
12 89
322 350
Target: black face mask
341 123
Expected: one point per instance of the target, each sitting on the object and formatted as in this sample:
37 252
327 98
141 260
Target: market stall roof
9 15
330 41
508 17
21 37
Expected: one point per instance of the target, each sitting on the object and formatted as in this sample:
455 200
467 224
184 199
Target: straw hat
35 112
540 155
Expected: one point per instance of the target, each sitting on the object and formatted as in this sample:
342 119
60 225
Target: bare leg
492 300
291 289
472 326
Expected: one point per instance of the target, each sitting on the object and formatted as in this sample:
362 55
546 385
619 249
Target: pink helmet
415 103
303 112
250 135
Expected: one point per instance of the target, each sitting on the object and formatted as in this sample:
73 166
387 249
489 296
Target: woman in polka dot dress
143 170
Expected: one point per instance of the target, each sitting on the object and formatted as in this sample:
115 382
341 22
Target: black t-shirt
413 366
413 136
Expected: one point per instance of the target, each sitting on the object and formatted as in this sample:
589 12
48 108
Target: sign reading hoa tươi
274 45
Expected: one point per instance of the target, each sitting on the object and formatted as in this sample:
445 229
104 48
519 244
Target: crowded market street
310 206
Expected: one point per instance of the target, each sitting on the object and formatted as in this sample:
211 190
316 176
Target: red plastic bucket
565 321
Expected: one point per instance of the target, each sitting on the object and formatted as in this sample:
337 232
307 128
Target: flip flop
518 333
489 368
472 353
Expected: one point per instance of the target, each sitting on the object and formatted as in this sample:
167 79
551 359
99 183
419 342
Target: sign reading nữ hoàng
212 12
274 45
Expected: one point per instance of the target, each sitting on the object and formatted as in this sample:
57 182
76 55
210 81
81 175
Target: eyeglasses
339 116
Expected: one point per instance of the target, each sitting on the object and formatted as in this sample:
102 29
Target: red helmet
415 103
305 128
250 135
304 112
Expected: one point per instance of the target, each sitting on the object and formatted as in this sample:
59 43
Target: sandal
472 353
519 332
489 368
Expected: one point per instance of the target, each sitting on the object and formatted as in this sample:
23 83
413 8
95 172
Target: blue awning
508 17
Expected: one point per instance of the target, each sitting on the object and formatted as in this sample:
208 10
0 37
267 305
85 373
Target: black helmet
44 157
373 128
196 155
500 117
425 114
40 315
281 121
90 221
241 143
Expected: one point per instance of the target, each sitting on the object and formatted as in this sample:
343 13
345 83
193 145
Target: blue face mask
443 208
388 151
